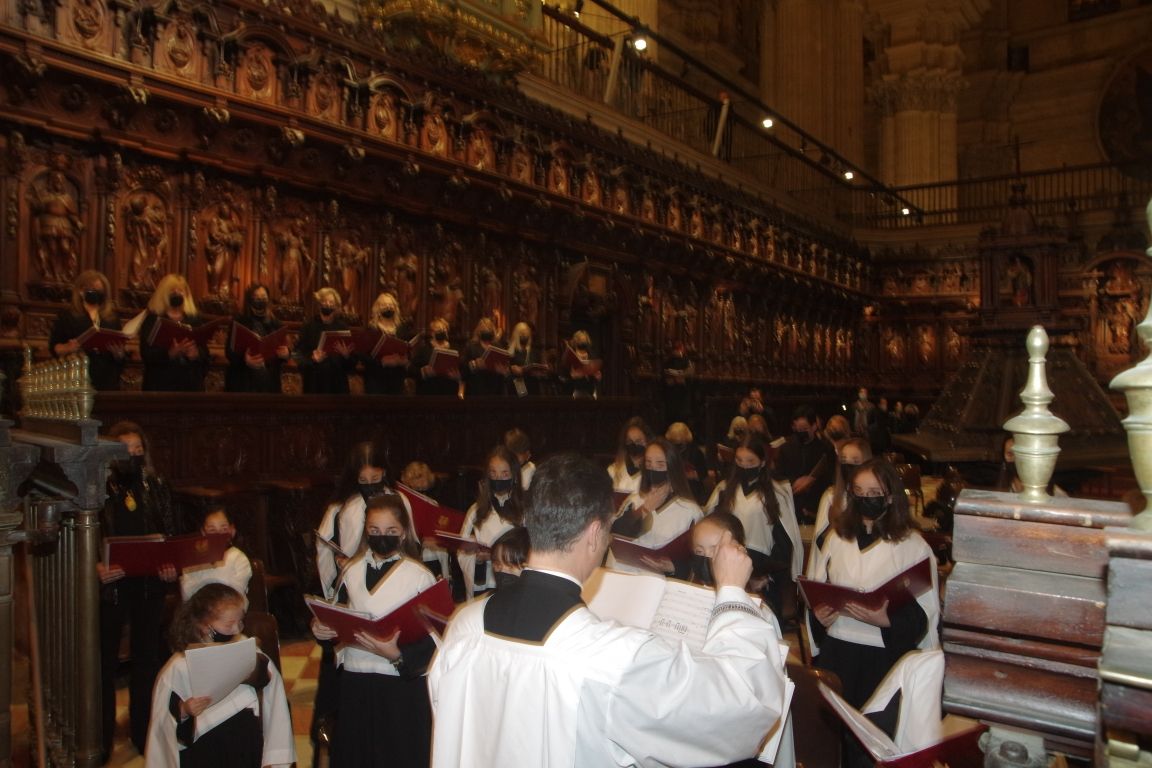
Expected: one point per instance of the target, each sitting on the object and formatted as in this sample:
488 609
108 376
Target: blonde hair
383 301
418 476
519 330
158 304
581 337
438 323
80 284
327 293
737 422
678 433
484 324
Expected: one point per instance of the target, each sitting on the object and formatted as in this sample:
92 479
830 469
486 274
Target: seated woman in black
582 374
92 306
386 375
479 380
323 373
181 365
428 381
528 366
248 372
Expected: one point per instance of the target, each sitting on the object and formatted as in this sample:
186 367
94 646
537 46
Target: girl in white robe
235 569
625 470
383 717
852 452
497 510
662 509
249 728
872 542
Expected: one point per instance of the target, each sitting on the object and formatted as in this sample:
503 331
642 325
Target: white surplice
622 481
404 580
672 519
595 693
235 570
491 529
163 750
749 509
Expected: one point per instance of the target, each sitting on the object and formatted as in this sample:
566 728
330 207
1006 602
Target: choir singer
530 676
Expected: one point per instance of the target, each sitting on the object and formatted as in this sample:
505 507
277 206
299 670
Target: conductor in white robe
530 677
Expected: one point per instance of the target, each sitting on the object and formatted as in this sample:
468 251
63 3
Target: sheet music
215 670
684 613
628 598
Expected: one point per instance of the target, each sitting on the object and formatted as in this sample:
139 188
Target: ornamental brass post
1036 429
1136 384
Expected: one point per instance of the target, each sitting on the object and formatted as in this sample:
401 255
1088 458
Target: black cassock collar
530 608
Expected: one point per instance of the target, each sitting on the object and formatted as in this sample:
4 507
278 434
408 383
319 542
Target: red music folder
430 515
454 542
627 551
376 344
899 590
104 339
167 332
572 361
959 746
330 340
618 499
445 362
145 555
496 360
415 619
246 341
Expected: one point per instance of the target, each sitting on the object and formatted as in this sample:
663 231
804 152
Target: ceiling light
640 44
905 210
767 122
849 175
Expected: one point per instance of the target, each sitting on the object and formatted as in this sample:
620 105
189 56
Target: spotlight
849 175
767 122
639 44
905 210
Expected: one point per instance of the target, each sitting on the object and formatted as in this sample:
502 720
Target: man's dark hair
804 412
568 493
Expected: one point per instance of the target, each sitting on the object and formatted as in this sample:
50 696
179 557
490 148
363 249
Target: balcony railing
684 99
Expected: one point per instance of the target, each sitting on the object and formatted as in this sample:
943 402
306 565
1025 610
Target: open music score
424 614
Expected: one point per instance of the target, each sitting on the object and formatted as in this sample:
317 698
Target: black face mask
220 638
524 340
368 490
635 450
175 301
327 311
500 486
95 297
582 347
749 478
127 470
259 305
441 337
383 544
505 579
487 336
388 314
871 507
802 436
655 477
701 570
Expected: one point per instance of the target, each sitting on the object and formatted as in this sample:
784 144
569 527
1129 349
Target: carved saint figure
1019 274
559 175
522 164
294 260
927 344
405 276
224 241
491 299
387 116
1120 325
56 228
447 293
434 134
590 189
352 260
146 232
480 150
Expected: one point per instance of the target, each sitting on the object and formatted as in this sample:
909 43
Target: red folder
627 551
246 341
496 360
445 362
166 332
429 515
537 370
571 361
901 589
376 344
145 555
725 454
415 619
454 542
330 340
618 498
102 339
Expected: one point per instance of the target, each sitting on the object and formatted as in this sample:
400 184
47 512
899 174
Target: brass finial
1036 429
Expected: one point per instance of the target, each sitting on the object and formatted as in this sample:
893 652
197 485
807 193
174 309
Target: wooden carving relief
352 256
223 233
387 113
401 270
56 216
257 76
294 259
87 23
446 284
530 297
144 244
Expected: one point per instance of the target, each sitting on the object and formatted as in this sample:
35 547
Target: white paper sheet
215 670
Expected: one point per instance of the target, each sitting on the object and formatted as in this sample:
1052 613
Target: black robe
103 367
165 374
242 378
330 375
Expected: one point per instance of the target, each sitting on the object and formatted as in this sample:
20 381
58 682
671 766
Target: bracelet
735 605
398 663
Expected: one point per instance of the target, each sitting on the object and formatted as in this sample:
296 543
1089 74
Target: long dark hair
767 490
367 454
513 510
249 292
391 502
841 489
638 423
195 614
676 477
893 525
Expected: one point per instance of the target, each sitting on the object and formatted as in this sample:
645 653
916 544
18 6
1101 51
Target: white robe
404 580
351 514
823 510
599 694
622 482
486 533
527 472
676 516
842 562
235 570
757 530
163 750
